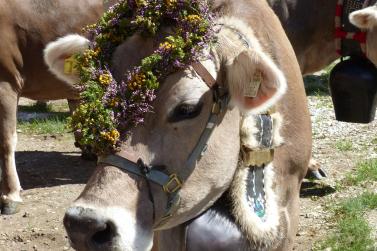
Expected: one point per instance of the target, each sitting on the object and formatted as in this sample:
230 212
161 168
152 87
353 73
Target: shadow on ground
46 169
310 188
316 85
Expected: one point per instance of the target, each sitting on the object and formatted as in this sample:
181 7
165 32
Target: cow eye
185 111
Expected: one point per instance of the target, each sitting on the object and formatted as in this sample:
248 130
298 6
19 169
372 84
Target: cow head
367 19
115 210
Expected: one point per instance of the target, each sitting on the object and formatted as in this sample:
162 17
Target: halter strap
157 177
204 74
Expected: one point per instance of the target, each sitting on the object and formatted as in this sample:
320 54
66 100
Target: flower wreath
109 108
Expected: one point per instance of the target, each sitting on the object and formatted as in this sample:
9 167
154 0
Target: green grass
352 235
55 124
352 232
40 107
365 171
344 145
317 85
355 206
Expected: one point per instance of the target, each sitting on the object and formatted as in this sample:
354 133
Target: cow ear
58 56
365 18
255 82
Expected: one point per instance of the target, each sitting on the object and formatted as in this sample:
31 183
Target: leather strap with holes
204 74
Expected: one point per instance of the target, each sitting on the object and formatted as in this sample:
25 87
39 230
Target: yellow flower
89 54
137 81
114 102
170 3
194 18
111 136
105 79
89 27
115 134
96 51
167 45
141 2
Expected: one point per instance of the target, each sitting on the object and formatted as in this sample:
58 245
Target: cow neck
172 183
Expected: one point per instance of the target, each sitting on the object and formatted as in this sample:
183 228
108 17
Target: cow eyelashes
185 111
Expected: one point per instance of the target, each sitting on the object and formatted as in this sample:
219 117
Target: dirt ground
52 175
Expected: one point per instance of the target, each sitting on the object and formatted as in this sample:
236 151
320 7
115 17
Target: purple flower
127 101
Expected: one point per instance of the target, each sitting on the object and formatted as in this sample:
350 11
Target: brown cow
367 19
115 211
310 27
26 27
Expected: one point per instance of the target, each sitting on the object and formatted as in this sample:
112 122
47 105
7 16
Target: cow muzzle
89 231
92 228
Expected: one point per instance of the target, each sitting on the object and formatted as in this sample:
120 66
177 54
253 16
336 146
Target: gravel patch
329 137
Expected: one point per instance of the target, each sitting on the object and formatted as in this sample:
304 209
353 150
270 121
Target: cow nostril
104 236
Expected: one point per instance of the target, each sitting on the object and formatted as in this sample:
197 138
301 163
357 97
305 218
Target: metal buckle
173 180
220 99
216 108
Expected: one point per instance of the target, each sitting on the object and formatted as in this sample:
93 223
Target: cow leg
10 183
73 104
86 151
315 171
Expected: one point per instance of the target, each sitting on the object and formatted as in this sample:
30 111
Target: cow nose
87 230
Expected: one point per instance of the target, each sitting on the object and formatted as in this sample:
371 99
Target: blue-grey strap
201 146
153 175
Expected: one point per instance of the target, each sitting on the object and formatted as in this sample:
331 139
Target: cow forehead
130 53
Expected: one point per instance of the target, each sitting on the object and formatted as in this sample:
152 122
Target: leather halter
172 183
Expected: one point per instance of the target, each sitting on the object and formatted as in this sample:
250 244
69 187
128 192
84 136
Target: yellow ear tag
70 65
251 90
